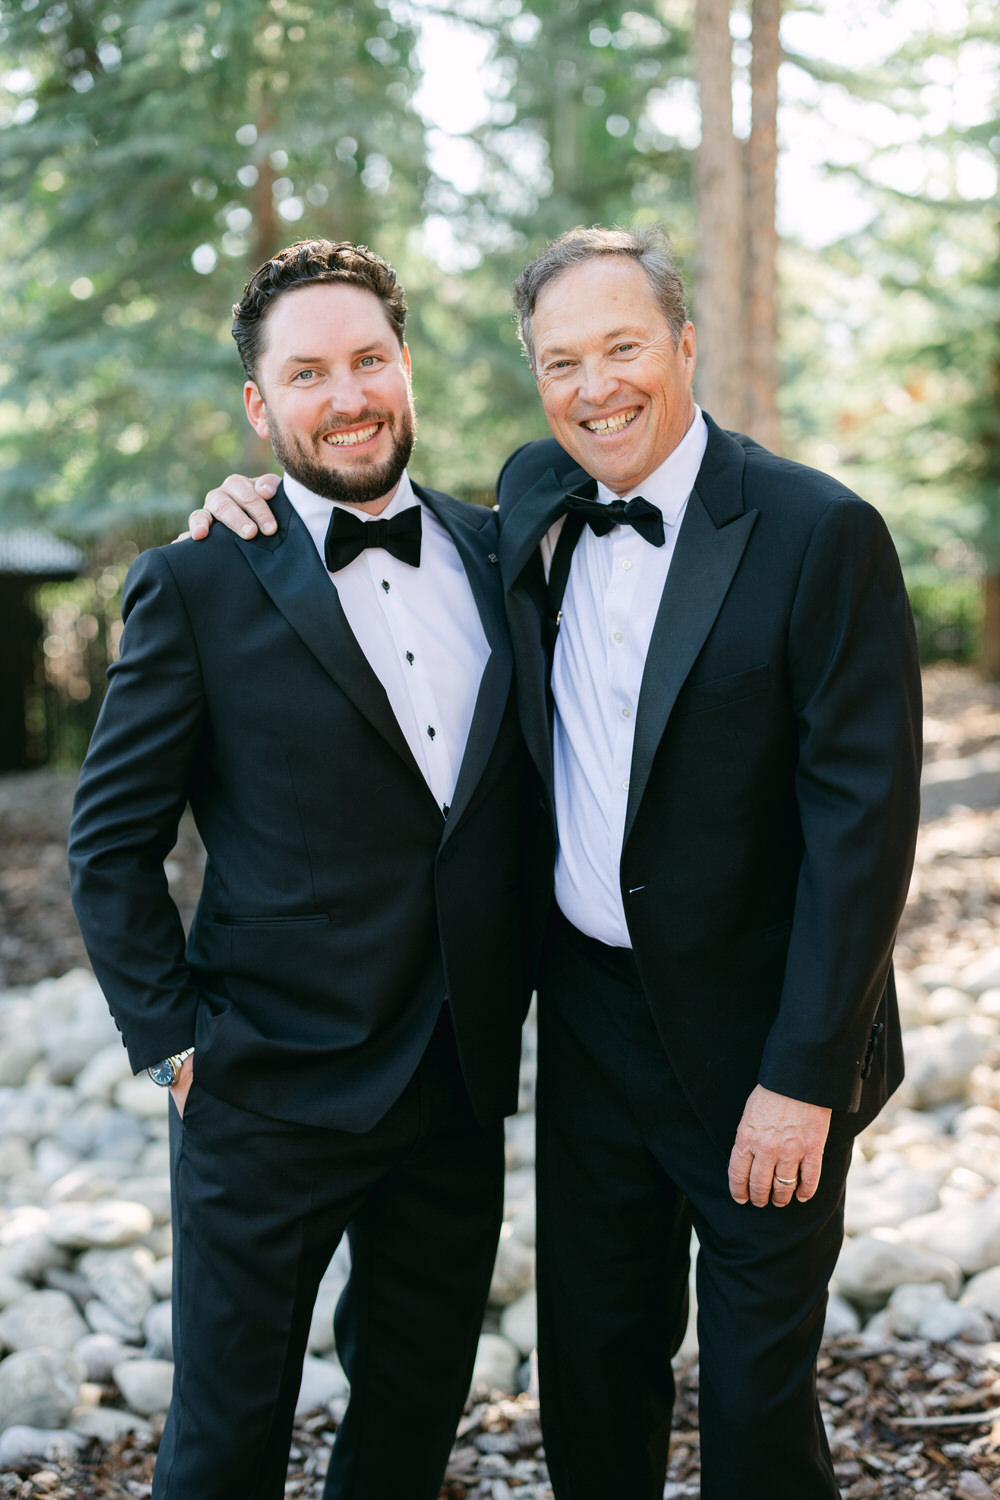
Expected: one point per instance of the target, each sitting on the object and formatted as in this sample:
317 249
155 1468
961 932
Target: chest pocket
721 691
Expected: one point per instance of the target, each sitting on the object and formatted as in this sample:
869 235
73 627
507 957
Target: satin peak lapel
520 564
474 545
289 569
702 568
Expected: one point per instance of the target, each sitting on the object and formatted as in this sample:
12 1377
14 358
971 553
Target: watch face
163 1073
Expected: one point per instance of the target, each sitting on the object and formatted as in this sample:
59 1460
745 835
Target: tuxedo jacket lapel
289 569
476 544
527 601
713 536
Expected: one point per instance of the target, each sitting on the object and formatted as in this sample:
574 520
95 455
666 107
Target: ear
688 348
406 362
256 413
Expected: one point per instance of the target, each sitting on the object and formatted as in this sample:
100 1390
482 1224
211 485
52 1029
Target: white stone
967 1233
153 1192
323 1381
15 1157
107 1424
145 1384
983 1291
34 1111
983 973
949 1320
871 1266
514 1270
984 1086
19 1444
100 1352
97 1079
520 1140
87 1183
38 1388
939 1059
841 1319
102 1320
910 1302
946 1002
46 1318
321 1337
912 997
972 1486
988 1003
28 1255
18 1055
120 1279
497 1361
158 1328
140 1096
522 1226
978 1119
519 1323
878 1200
161 1276
84 1226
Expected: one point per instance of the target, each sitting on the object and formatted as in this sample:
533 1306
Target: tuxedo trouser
260 1205
624 1167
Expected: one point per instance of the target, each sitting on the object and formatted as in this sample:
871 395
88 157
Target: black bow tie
347 537
636 512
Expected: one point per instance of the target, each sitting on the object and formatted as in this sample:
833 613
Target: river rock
927 1312
34 1111
161 1276
939 1059
841 1320
871 1266
38 1388
108 1424
968 1233
20 1444
99 1353
497 1361
983 973
323 1381
97 1078
983 1291
145 1384
120 1279
86 1226
41 1318
514 1270
158 1328
879 1198
102 1319
519 1323
140 1096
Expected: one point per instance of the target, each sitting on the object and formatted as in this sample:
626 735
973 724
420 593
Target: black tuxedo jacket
339 905
773 797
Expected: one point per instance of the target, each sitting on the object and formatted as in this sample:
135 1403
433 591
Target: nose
346 393
598 382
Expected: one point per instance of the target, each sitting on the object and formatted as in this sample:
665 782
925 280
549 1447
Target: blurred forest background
154 153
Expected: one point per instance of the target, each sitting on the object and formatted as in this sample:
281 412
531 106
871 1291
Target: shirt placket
434 757
619 613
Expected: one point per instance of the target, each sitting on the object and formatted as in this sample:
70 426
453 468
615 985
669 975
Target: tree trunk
761 232
719 272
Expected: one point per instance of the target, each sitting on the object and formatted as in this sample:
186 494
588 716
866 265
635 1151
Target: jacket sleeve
132 791
855 686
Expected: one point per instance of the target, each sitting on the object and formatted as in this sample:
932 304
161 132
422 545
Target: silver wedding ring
787 1181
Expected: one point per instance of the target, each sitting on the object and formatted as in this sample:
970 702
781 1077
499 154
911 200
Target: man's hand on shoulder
239 503
778 1150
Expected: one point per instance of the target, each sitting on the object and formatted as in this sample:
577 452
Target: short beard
360 486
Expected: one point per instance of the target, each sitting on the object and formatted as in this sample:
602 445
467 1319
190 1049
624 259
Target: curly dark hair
301 264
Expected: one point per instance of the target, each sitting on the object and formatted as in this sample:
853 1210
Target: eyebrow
614 333
319 359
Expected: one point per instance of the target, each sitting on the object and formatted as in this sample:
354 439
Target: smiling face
333 394
615 388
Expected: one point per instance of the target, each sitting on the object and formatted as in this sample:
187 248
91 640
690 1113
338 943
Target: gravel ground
909 1419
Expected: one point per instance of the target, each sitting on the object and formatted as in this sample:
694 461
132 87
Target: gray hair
650 246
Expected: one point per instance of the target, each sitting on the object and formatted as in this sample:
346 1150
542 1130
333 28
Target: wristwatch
165 1073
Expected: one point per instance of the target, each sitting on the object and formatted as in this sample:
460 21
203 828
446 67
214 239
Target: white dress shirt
418 627
611 601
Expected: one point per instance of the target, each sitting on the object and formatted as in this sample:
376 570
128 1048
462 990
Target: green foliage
152 159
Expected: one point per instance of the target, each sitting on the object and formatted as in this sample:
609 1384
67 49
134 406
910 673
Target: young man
340 1034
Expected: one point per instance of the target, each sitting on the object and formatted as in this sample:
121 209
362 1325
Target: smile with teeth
352 439
602 425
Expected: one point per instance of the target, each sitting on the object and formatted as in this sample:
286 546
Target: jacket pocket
303 919
721 691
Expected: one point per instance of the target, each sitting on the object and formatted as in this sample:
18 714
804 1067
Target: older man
718 684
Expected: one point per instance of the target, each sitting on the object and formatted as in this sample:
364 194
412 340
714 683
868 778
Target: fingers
809 1174
241 504
198 523
740 1164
